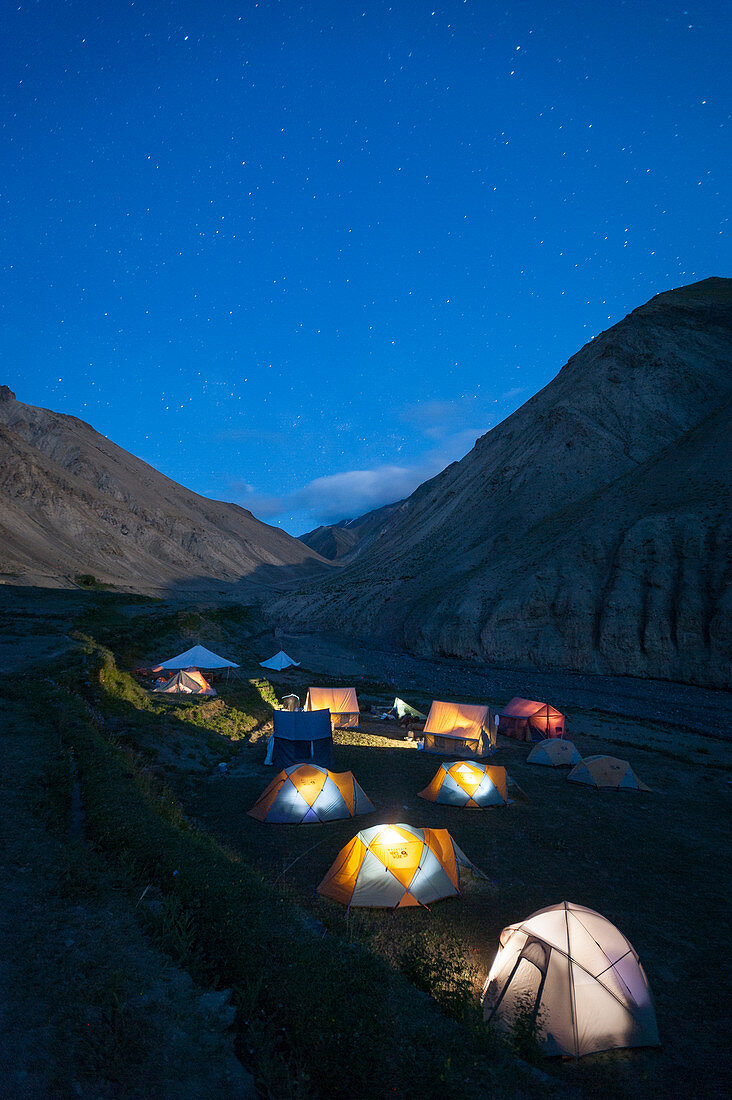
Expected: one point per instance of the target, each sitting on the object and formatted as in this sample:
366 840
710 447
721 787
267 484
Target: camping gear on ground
457 729
528 720
290 702
279 661
185 683
304 794
300 738
464 783
341 702
555 754
403 710
571 971
606 773
393 866
197 657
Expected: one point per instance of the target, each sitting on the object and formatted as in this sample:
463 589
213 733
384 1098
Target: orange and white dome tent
463 783
579 977
606 773
554 753
394 866
306 794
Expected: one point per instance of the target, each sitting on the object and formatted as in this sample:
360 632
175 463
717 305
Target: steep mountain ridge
589 530
74 502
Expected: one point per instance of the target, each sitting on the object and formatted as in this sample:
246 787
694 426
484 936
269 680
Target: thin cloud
351 493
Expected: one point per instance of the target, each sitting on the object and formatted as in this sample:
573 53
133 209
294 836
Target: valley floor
90 1005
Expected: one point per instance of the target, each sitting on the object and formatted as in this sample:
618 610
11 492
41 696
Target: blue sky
301 255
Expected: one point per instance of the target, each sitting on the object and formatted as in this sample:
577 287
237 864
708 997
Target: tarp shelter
554 753
197 657
403 710
341 702
464 783
185 683
301 738
580 979
392 866
606 773
457 729
528 720
279 661
304 794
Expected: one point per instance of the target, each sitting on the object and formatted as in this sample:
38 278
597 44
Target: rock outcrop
73 504
589 531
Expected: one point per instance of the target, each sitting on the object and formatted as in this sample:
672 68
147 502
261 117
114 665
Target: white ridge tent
279 661
197 657
185 683
578 976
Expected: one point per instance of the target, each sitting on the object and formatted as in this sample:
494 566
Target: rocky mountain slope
75 503
589 531
339 540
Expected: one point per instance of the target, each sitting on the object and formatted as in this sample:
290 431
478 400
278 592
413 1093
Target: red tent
528 720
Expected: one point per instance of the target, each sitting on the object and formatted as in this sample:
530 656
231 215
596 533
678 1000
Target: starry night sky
301 255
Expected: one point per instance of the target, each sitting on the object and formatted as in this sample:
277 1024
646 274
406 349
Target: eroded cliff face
589 531
73 502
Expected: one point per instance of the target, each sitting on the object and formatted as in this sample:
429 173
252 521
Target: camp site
456 889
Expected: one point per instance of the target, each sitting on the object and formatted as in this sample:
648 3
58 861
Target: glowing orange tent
186 682
394 866
458 729
464 783
528 720
306 794
341 702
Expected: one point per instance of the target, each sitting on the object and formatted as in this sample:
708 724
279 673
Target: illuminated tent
393 866
606 773
527 720
279 661
300 738
464 783
304 794
402 710
186 683
456 729
341 702
580 979
554 753
197 657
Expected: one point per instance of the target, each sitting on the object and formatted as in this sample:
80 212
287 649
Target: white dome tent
578 976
